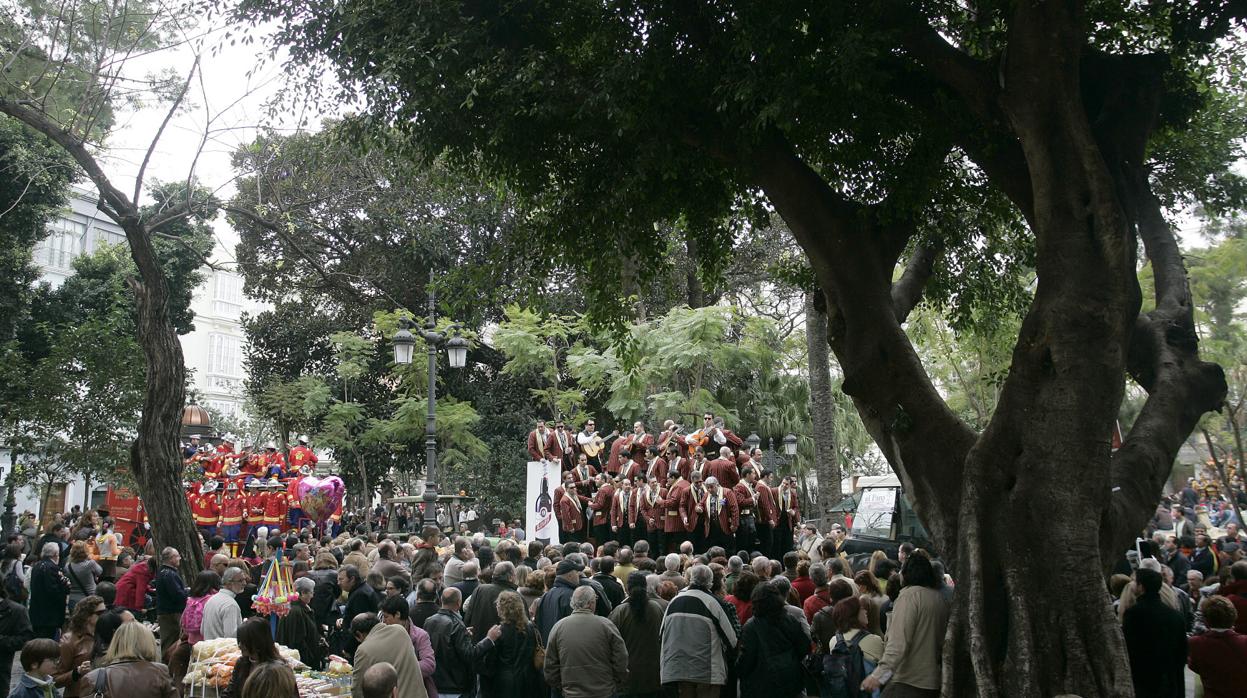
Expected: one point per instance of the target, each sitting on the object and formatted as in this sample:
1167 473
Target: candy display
213 661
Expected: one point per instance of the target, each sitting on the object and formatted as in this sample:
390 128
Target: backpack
14 586
844 667
193 614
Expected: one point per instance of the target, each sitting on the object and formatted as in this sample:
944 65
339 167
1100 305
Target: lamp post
770 458
456 352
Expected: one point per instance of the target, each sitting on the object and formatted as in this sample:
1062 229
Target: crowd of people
428 614
617 610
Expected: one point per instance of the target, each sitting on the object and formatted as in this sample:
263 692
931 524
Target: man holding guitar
591 443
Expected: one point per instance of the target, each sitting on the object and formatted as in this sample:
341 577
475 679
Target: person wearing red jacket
132 587
301 456
257 500
674 521
541 443
721 515
601 505
655 467
626 513
233 505
583 475
651 494
274 461
206 509
691 511
569 506
724 469
768 515
276 506
563 446
747 499
789 509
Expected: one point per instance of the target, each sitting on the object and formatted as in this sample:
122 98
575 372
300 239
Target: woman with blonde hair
131 667
506 664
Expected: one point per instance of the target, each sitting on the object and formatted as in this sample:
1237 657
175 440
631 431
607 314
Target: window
225 355
64 242
227 295
107 237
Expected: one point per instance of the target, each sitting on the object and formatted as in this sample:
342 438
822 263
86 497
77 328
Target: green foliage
34 177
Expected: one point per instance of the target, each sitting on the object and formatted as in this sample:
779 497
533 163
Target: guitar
596 444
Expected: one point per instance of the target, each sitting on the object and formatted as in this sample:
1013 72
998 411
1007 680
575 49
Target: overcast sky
223 110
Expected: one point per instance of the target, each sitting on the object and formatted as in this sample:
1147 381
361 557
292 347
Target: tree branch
138 179
907 291
1164 359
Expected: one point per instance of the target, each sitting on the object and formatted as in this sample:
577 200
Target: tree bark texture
822 407
1030 513
154 457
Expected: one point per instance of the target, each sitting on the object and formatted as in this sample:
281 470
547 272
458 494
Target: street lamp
456 352
770 458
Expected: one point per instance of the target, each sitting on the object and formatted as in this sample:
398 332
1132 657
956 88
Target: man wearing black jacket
1155 637
361 598
170 598
453 647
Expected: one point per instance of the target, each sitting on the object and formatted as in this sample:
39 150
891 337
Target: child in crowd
39 660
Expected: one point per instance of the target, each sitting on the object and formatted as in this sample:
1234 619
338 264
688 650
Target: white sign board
539 523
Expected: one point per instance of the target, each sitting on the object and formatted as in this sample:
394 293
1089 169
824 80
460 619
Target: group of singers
243 490
704 487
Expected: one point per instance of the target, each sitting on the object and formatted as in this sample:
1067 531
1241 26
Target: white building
213 352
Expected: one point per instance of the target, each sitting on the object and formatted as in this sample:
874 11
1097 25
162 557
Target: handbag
101 683
539 652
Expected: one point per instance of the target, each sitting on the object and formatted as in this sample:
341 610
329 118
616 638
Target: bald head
380 681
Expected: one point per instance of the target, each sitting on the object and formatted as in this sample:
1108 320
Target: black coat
611 587
15 631
770 657
49 588
481 614
298 630
1156 642
324 594
506 667
456 655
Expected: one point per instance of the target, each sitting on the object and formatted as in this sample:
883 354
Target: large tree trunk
1031 513
154 457
822 407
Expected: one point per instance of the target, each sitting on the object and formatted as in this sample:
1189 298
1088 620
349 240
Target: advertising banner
540 524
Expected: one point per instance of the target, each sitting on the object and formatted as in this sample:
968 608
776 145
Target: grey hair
584 598
586 549
1196 573
50 549
782 583
735 564
471 568
700 575
168 553
652 581
672 563
504 572
818 574
302 584
230 574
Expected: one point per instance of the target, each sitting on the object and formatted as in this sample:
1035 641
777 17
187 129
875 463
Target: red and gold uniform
207 512
233 506
300 456
257 500
275 509
253 465
721 515
274 462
